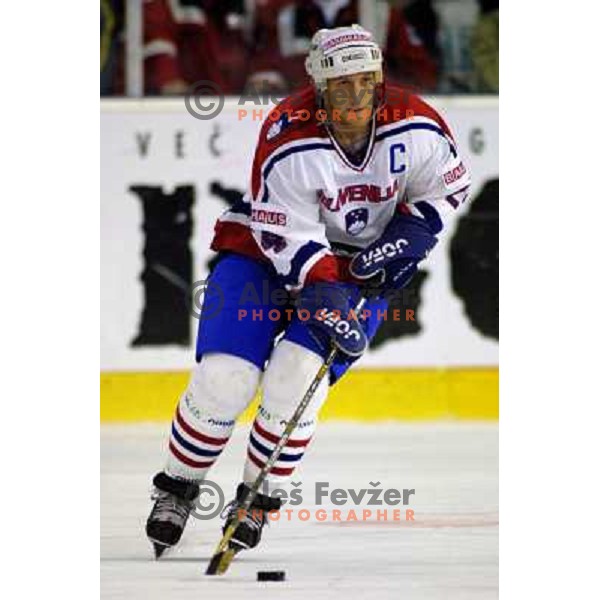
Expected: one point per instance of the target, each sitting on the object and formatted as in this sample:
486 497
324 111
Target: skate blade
159 549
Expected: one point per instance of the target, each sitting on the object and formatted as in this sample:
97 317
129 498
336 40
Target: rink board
445 368
151 150
363 395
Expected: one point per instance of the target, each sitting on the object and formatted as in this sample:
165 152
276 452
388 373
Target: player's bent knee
287 378
223 384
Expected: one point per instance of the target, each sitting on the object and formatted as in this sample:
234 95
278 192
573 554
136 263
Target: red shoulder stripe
299 110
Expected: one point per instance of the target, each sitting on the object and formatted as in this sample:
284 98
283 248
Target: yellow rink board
363 394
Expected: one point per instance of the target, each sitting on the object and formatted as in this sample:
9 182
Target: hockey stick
223 555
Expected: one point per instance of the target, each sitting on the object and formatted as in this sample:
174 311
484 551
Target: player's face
352 98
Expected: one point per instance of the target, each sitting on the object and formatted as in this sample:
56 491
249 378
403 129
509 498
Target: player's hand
392 259
331 318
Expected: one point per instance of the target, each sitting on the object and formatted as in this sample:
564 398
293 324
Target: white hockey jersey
309 207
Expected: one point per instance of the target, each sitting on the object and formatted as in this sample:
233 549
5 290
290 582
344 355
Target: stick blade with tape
220 562
213 565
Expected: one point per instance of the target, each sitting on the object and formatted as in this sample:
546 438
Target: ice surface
450 551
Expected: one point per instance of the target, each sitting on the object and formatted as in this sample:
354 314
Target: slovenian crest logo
356 220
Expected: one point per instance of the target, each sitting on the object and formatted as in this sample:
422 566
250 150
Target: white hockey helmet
342 51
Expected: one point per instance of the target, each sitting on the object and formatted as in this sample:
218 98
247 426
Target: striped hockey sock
263 438
195 444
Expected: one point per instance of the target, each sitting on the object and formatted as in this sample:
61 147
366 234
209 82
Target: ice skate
174 500
249 531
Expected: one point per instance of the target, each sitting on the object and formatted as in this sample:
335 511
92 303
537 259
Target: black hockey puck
270 576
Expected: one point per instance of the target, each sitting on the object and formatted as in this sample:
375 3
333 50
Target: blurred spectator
457 19
186 41
421 15
111 46
282 32
484 46
447 46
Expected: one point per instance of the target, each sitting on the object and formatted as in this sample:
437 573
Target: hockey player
351 183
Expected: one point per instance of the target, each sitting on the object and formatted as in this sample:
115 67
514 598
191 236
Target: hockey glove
394 257
330 319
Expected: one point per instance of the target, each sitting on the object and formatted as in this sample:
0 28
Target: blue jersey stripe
329 146
302 148
411 126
